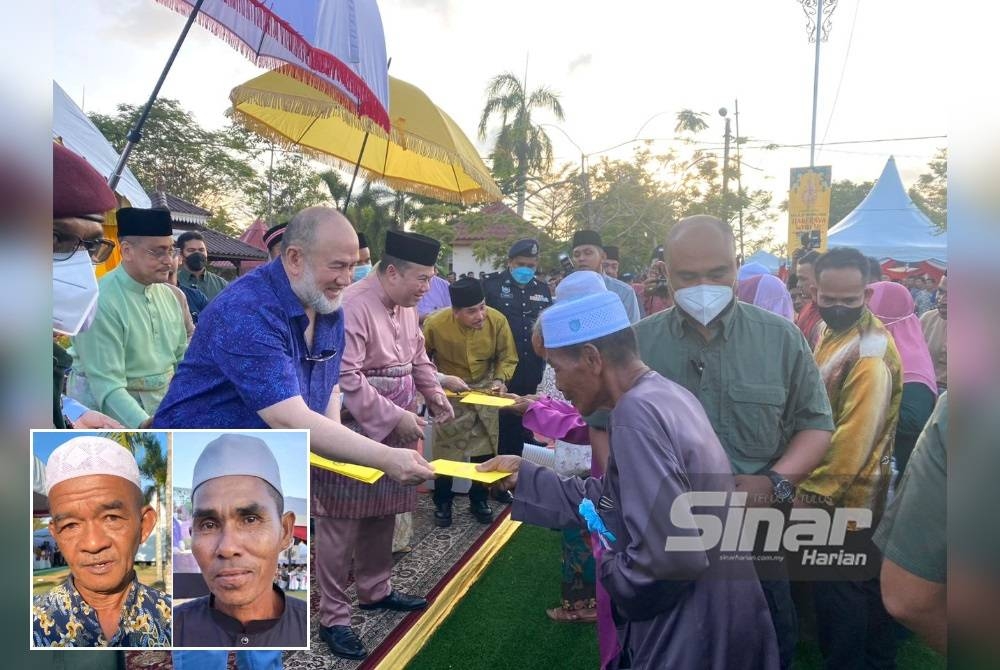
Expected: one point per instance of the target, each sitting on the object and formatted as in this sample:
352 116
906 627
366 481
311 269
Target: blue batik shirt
249 352
62 618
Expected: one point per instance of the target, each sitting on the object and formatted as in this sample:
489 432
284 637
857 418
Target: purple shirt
675 609
249 352
435 298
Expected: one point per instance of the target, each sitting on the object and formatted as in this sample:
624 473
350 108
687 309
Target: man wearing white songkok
239 528
673 608
98 519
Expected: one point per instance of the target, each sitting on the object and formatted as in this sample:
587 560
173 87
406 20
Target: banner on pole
808 208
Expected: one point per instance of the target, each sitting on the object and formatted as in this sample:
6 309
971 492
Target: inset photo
101 571
241 521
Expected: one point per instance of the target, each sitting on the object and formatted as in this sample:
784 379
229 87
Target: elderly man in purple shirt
678 601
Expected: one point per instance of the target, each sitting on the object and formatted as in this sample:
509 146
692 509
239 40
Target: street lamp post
819 30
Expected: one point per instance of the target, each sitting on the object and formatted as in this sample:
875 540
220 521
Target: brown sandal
563 615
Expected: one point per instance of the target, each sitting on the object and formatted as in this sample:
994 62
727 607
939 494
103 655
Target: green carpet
502 622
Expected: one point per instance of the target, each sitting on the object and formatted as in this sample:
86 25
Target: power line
843 69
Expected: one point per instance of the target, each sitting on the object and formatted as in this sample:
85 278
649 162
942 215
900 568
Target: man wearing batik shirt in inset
383 368
862 372
98 520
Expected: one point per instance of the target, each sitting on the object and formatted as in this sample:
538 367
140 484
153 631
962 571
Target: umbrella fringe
298 105
282 32
478 196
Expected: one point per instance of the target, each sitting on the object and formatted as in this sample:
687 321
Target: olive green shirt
756 378
210 283
913 533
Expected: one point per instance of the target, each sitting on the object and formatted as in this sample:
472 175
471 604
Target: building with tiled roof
188 216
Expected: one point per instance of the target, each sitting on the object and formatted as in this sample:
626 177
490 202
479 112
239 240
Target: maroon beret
77 188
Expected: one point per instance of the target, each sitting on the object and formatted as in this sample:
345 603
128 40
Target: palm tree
690 121
521 146
153 466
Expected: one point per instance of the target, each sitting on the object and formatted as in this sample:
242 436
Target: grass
501 622
49 579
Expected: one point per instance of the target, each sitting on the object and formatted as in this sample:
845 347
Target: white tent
79 134
888 225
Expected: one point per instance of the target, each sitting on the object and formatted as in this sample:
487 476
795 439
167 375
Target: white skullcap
583 319
578 284
236 455
90 455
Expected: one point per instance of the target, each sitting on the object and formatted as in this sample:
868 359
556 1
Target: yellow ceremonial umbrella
426 152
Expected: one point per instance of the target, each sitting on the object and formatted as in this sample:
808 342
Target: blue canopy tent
767 259
887 225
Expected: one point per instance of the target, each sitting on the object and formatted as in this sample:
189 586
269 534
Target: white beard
312 296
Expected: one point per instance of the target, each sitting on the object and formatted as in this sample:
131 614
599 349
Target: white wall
463 261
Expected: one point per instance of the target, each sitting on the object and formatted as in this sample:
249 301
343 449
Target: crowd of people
699 375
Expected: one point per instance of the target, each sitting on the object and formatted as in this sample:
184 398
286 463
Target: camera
565 262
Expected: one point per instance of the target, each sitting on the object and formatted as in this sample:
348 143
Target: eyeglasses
162 254
64 246
322 356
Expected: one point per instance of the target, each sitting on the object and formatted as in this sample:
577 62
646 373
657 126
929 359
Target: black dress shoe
481 510
442 515
503 497
397 601
343 642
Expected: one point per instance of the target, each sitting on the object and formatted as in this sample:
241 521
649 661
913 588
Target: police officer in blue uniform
520 296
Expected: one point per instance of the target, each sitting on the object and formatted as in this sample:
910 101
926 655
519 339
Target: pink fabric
557 419
338 542
608 645
380 335
767 292
893 305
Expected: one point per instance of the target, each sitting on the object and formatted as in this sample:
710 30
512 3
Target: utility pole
588 212
725 169
739 172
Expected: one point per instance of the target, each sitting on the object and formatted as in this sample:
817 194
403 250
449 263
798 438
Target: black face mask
839 317
195 262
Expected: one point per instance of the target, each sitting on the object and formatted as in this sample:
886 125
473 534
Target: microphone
699 367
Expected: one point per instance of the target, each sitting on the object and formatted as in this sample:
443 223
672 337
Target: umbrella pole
357 166
136 133
364 142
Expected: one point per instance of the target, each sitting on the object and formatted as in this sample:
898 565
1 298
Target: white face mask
74 293
704 302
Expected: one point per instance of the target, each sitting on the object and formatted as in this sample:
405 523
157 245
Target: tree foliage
521 147
930 193
199 165
284 188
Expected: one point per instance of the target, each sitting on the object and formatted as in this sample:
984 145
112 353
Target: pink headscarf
767 292
893 305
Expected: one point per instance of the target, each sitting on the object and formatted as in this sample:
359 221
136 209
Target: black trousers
477 492
853 627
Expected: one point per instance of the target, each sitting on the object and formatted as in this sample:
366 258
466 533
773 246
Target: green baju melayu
123 363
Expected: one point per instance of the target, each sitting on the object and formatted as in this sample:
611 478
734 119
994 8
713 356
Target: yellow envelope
359 472
474 398
465 471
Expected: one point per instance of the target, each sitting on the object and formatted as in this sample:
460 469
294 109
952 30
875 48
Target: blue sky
45 442
619 68
291 449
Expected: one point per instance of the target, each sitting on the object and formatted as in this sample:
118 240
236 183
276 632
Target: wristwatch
784 490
